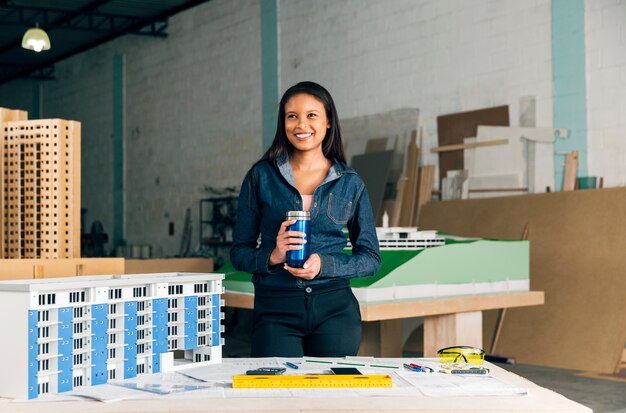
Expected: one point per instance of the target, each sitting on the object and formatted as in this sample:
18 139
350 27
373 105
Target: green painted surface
479 261
569 82
456 262
269 69
118 149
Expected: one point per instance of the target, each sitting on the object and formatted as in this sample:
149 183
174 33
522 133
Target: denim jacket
341 200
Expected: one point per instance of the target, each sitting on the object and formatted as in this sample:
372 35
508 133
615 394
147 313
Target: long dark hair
332 146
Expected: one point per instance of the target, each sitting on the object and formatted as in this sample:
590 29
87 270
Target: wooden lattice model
39 186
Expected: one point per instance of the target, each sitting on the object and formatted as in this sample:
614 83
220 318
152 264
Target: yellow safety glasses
461 354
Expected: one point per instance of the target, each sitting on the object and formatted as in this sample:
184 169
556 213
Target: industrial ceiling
73 27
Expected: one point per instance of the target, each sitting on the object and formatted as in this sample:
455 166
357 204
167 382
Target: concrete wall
605 28
194 100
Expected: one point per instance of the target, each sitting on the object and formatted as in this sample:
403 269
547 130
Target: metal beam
86 18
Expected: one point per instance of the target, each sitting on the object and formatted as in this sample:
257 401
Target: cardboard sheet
577 258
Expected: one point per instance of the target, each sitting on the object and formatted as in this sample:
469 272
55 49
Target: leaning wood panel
409 187
577 257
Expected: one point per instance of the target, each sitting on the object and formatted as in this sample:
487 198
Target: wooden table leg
382 339
452 330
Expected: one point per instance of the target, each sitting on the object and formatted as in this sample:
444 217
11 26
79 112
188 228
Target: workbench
447 320
536 399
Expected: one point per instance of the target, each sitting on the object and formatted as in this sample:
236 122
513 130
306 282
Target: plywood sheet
452 128
168 265
576 256
22 269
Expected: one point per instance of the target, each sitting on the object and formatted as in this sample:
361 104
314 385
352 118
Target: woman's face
306 122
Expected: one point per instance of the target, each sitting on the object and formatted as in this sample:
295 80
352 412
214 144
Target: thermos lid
298 215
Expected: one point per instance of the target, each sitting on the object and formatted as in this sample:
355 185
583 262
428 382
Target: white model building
406 238
62 333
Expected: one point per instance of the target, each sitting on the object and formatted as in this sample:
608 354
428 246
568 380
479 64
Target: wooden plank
139 266
421 308
391 338
569 176
381 338
27 268
461 146
394 220
452 128
410 185
425 190
451 305
238 300
576 248
499 190
461 329
73 173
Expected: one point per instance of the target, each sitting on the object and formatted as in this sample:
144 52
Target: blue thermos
297 258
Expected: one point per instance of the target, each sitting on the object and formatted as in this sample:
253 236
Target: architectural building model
39 187
62 333
423 265
406 238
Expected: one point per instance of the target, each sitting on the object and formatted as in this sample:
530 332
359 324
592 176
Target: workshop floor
601 395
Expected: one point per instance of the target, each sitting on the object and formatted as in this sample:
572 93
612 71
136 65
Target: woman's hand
311 268
286 241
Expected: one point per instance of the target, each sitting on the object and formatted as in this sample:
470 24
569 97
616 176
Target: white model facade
406 238
62 333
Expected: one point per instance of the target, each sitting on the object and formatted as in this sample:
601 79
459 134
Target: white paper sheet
216 381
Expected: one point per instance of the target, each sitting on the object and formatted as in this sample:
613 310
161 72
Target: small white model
406 238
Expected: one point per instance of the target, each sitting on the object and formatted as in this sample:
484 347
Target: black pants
320 321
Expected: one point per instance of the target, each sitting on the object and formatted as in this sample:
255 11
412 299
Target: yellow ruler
319 380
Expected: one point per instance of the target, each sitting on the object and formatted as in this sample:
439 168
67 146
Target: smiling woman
309 310
305 122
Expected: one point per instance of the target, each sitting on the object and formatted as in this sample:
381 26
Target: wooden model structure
39 187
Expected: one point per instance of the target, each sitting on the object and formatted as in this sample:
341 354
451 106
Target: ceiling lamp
36 39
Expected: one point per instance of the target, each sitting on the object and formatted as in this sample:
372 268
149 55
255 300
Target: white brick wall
605 37
439 56
193 116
